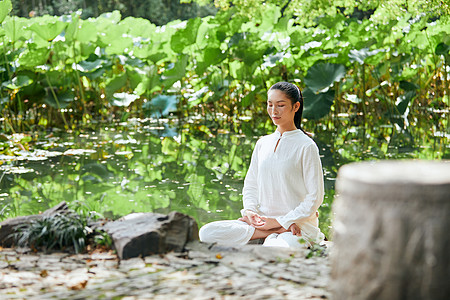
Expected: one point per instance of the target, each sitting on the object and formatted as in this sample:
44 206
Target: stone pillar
392 231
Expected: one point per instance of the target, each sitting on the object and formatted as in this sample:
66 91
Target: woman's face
280 109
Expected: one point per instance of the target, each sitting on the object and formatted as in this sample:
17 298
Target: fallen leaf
44 273
79 285
219 256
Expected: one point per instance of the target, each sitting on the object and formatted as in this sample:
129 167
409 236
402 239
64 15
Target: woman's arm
313 177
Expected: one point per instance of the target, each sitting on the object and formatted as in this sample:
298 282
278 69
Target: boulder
141 234
8 227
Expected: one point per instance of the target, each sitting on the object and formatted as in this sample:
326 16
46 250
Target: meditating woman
283 187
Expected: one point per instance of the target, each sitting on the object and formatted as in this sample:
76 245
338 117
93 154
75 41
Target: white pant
236 233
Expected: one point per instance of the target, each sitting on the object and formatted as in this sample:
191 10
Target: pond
144 165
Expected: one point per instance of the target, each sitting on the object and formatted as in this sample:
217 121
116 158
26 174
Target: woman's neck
283 129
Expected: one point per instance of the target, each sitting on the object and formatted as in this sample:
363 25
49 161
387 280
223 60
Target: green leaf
5 9
48 30
442 49
18 82
123 99
408 86
115 83
317 106
72 28
87 32
89 66
63 98
175 71
185 37
403 101
361 55
322 75
161 105
15 29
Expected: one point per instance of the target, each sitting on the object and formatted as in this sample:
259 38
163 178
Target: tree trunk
392 224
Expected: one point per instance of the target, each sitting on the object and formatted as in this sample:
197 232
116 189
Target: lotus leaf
442 49
123 99
175 71
115 83
14 29
5 9
161 105
138 27
87 32
48 30
63 98
360 56
318 105
408 86
322 75
72 28
185 37
18 82
404 100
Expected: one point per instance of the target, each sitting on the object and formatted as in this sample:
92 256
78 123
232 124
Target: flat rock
142 234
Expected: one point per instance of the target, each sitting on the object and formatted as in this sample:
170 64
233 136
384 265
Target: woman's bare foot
245 219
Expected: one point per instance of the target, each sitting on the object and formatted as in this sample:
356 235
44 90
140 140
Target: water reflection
160 168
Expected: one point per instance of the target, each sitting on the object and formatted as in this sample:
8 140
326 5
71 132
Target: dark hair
295 95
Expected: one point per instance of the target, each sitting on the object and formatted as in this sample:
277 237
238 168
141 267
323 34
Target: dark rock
8 227
142 234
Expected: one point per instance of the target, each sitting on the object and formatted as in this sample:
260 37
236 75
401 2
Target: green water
142 166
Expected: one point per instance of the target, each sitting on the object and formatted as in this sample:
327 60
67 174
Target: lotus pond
148 165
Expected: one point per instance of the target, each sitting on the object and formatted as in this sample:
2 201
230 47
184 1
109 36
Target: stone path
202 272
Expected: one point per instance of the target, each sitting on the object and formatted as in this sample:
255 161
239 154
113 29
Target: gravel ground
202 272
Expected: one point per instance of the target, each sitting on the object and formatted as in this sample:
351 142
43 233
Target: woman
283 187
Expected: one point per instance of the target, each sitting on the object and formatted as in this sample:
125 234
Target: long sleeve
313 178
250 190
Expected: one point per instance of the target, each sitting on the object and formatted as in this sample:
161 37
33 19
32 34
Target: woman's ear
296 106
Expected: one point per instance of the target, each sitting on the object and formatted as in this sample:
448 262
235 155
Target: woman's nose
273 111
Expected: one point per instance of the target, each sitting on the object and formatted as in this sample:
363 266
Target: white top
285 181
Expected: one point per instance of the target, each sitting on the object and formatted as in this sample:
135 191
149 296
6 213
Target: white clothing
285 182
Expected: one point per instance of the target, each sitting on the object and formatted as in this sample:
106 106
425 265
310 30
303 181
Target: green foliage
348 57
60 231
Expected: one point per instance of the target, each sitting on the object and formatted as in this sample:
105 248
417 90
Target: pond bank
202 272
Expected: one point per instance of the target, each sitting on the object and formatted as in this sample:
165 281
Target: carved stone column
392 231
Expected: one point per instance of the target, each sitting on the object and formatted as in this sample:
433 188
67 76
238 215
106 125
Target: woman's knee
205 234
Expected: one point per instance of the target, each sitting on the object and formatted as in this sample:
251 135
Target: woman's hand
267 224
295 229
252 218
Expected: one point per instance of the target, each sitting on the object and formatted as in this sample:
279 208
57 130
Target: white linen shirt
286 181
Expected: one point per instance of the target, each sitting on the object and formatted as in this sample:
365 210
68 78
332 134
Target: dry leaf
79 285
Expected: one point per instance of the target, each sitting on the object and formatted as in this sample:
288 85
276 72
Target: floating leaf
322 75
